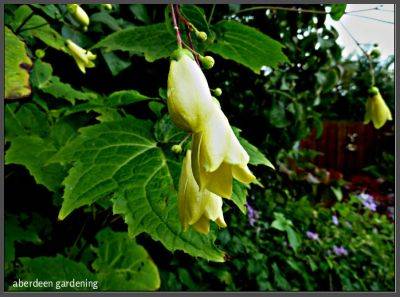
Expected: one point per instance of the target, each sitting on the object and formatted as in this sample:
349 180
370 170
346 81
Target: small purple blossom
340 251
368 201
335 220
312 235
390 210
252 214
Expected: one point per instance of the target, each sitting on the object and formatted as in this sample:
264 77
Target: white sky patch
366 31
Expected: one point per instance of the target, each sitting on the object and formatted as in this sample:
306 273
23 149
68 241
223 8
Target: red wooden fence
345 146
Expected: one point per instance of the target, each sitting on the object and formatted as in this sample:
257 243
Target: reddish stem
178 34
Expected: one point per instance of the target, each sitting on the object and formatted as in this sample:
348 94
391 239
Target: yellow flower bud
201 35
189 98
107 6
83 58
207 62
217 92
40 53
197 207
176 148
78 14
376 109
218 157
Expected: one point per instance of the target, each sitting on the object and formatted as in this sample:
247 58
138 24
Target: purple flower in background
312 235
252 214
335 220
390 210
340 251
368 201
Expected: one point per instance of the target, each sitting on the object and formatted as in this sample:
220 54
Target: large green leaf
123 158
43 79
239 194
196 16
14 232
58 271
17 64
33 152
30 24
154 41
256 156
124 265
247 46
124 97
337 11
24 119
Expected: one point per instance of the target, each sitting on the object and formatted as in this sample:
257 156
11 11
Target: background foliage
91 179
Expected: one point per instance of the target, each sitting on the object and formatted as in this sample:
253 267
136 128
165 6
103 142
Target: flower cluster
312 235
252 214
340 251
335 220
368 201
216 155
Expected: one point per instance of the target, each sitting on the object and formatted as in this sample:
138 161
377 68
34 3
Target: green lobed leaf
154 41
124 265
30 24
17 64
196 16
247 46
14 232
24 119
115 63
140 12
124 97
50 10
106 19
337 11
256 156
122 158
33 152
165 131
56 269
239 195
43 79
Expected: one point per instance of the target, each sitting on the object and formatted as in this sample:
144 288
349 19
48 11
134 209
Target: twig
294 9
371 68
188 28
369 18
178 34
211 14
191 45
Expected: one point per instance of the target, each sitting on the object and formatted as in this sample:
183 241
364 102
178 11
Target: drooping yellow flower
376 109
79 14
197 208
189 98
218 157
83 58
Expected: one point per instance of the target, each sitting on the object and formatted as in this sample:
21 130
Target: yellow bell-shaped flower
376 109
197 208
218 157
189 98
83 58
79 14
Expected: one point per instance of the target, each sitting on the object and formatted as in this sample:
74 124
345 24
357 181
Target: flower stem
178 34
371 67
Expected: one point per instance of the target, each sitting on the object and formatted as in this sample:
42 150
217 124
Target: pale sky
366 30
